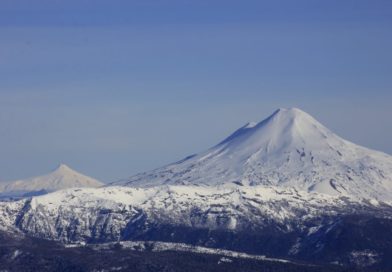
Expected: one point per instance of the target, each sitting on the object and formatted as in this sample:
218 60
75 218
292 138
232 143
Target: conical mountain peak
289 148
62 177
64 168
285 127
291 111
290 116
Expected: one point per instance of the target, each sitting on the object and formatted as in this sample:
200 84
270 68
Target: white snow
287 168
228 207
364 258
62 178
167 246
288 149
250 125
16 254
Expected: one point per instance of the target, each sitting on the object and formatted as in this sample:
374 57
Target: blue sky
117 87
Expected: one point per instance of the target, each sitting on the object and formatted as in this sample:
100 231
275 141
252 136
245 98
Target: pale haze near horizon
112 90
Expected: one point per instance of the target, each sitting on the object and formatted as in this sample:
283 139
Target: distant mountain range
61 178
286 187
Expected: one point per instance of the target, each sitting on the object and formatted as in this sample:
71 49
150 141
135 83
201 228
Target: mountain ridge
286 187
288 148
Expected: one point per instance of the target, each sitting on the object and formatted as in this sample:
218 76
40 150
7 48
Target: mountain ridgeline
63 177
286 187
288 149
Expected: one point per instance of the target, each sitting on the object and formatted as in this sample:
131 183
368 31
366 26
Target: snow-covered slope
122 213
288 149
262 220
61 178
286 186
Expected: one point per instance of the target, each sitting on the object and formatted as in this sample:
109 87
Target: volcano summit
288 149
286 187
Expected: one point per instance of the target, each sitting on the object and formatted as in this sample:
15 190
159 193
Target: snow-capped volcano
285 187
62 177
290 149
